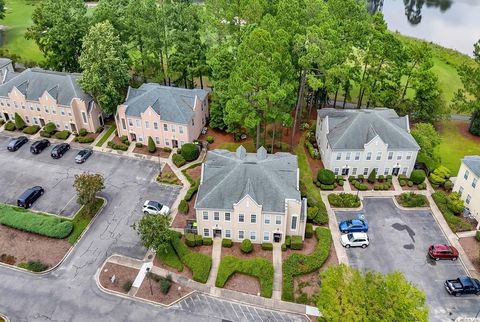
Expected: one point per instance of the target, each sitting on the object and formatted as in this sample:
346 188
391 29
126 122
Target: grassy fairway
455 145
17 19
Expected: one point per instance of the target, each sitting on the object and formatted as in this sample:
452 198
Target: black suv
29 196
39 146
16 143
59 150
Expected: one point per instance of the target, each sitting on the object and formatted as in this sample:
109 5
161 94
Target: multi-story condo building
171 116
354 142
41 96
467 184
250 196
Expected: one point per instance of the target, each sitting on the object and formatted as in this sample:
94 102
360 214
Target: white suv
355 240
155 208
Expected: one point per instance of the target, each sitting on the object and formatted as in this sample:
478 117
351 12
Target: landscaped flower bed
456 223
168 176
198 263
344 200
411 199
160 289
122 277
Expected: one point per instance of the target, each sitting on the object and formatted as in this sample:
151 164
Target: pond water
450 23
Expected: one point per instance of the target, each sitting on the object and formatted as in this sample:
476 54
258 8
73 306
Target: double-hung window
253 218
241 218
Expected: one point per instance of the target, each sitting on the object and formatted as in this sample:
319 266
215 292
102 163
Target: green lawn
17 19
454 146
232 146
81 221
106 135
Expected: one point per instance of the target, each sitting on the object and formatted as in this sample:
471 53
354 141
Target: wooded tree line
266 59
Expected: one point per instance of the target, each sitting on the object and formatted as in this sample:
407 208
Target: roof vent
261 153
241 152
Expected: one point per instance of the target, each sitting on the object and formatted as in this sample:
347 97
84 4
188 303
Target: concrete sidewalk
277 271
216 257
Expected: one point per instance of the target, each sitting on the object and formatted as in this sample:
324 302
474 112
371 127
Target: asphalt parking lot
22 170
399 241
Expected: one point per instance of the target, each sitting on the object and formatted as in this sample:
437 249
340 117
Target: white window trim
243 232
264 234
296 223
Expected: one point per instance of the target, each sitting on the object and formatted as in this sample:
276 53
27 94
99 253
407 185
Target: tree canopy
87 186
154 231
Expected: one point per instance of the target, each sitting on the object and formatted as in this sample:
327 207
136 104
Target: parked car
83 155
441 251
353 226
155 208
463 285
30 195
16 143
59 150
355 240
39 146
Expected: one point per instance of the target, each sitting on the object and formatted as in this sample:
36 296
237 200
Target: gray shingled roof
229 176
352 129
173 104
473 163
34 82
5 61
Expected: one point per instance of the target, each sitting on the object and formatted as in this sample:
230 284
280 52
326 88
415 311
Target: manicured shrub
288 241
340 183
121 146
372 176
410 199
167 149
360 178
258 267
455 223
192 190
165 284
418 176
360 186
151 145
190 240
139 145
297 243
198 263
62 135
34 266
455 203
327 186
311 150
299 264
477 235
403 177
45 134
402 183
32 129
246 246
207 241
389 177
127 285
41 224
9 126
351 178
284 247
381 178
85 139
344 200
178 160
448 185
422 186
170 258
183 207
326 177
267 246
50 127
409 183
439 175
190 152
198 240
210 139
308 230
19 122
124 139
82 132
227 243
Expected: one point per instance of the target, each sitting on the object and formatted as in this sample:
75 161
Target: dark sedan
83 155
16 143
39 146
59 150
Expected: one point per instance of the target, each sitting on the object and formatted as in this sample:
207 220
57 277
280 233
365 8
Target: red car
441 251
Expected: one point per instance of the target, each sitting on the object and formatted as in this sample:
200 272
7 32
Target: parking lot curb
48 271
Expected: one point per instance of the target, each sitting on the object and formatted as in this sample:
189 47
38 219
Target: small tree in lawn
154 231
19 122
151 145
87 186
372 176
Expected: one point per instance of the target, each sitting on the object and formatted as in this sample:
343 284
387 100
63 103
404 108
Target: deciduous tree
428 139
154 231
87 186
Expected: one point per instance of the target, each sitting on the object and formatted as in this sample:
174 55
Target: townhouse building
467 184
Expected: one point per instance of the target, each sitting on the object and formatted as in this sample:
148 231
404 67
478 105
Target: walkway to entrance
216 256
277 268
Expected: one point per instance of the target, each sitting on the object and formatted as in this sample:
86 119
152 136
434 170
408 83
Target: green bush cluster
326 186
183 207
169 257
190 152
477 235
455 223
267 246
246 246
417 176
422 186
308 230
299 264
41 224
19 122
448 185
32 129
124 140
359 186
178 160
62 135
151 145
198 263
194 184
455 203
34 266
121 146
311 150
227 243
82 132
84 139
296 243
50 128
164 282
288 241
257 267
139 145
411 199
382 186
9 126
326 177
439 176
316 216
402 183
210 139
284 247
191 240
167 149
344 200
372 176
207 241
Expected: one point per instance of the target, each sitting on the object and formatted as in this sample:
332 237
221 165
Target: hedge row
32 129
170 258
299 264
257 267
410 200
455 223
344 200
41 224
198 263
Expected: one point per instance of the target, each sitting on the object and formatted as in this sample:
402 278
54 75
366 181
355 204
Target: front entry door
217 233
74 127
395 171
277 237
133 136
345 171
174 143
42 122
7 117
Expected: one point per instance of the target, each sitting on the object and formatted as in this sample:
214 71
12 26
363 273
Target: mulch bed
243 283
472 248
220 138
89 135
195 173
370 186
122 275
158 153
116 140
180 220
308 248
150 290
257 252
169 175
28 246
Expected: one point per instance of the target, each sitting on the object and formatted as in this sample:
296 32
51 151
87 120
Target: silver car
355 240
155 208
